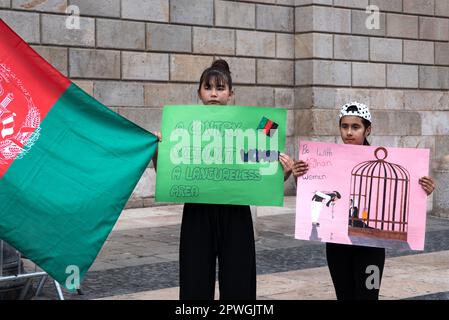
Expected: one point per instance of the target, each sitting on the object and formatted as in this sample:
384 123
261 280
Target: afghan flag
268 126
68 164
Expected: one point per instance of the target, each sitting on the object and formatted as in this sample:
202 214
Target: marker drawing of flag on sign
68 164
268 126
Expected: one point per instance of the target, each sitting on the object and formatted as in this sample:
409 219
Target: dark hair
333 195
366 124
219 73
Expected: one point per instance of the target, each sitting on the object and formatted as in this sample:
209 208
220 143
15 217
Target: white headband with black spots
355 109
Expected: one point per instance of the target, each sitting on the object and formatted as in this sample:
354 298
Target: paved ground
140 261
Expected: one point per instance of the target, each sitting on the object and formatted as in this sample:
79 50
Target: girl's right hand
300 168
158 135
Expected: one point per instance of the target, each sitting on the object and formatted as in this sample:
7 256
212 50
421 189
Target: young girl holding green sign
209 231
348 263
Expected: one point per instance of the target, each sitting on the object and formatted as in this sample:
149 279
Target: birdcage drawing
379 199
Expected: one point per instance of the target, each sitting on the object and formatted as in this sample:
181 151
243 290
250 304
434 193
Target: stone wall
401 70
309 56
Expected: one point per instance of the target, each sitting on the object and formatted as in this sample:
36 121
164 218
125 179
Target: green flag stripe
59 203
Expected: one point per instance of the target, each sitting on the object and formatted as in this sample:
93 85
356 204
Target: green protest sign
222 155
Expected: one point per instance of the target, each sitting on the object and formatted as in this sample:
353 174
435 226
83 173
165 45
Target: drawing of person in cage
318 201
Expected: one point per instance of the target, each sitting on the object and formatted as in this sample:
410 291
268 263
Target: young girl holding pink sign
348 264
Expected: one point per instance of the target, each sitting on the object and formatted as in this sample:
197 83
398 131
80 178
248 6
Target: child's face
215 94
353 131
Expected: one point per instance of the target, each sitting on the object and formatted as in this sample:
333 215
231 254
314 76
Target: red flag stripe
268 127
29 87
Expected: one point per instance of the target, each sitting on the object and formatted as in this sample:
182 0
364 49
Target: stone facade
309 56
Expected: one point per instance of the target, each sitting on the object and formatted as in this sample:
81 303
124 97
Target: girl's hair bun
221 65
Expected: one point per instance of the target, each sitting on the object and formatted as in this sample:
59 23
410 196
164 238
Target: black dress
209 231
351 269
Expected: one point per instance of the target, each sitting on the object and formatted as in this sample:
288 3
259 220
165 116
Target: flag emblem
268 126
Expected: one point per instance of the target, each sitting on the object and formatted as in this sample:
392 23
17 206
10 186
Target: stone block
243 70
160 94
197 12
434 123
419 52
442 53
332 73
423 100
145 66
351 47
361 4
433 77
385 50
325 98
316 122
402 76
284 98
308 2
442 8
120 34
254 96
397 123
368 74
346 95
102 8
188 67
389 141
385 99
434 28
58 6
274 18
421 142
119 94
54 31
90 63
235 14
303 98
324 19
313 45
148 10
213 41
285 47
441 147
5 3
402 26
254 43
388 5
275 72
320 72
170 38
426 7
25 24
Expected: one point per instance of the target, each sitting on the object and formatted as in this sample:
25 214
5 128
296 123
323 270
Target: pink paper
363 195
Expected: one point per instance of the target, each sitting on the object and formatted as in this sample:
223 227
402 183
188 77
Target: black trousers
348 268
209 232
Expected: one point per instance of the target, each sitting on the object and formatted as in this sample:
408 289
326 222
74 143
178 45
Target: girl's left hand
287 164
427 184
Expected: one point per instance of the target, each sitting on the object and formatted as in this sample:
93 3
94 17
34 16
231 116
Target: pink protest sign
362 195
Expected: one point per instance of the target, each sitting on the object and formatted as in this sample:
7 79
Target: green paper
219 155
